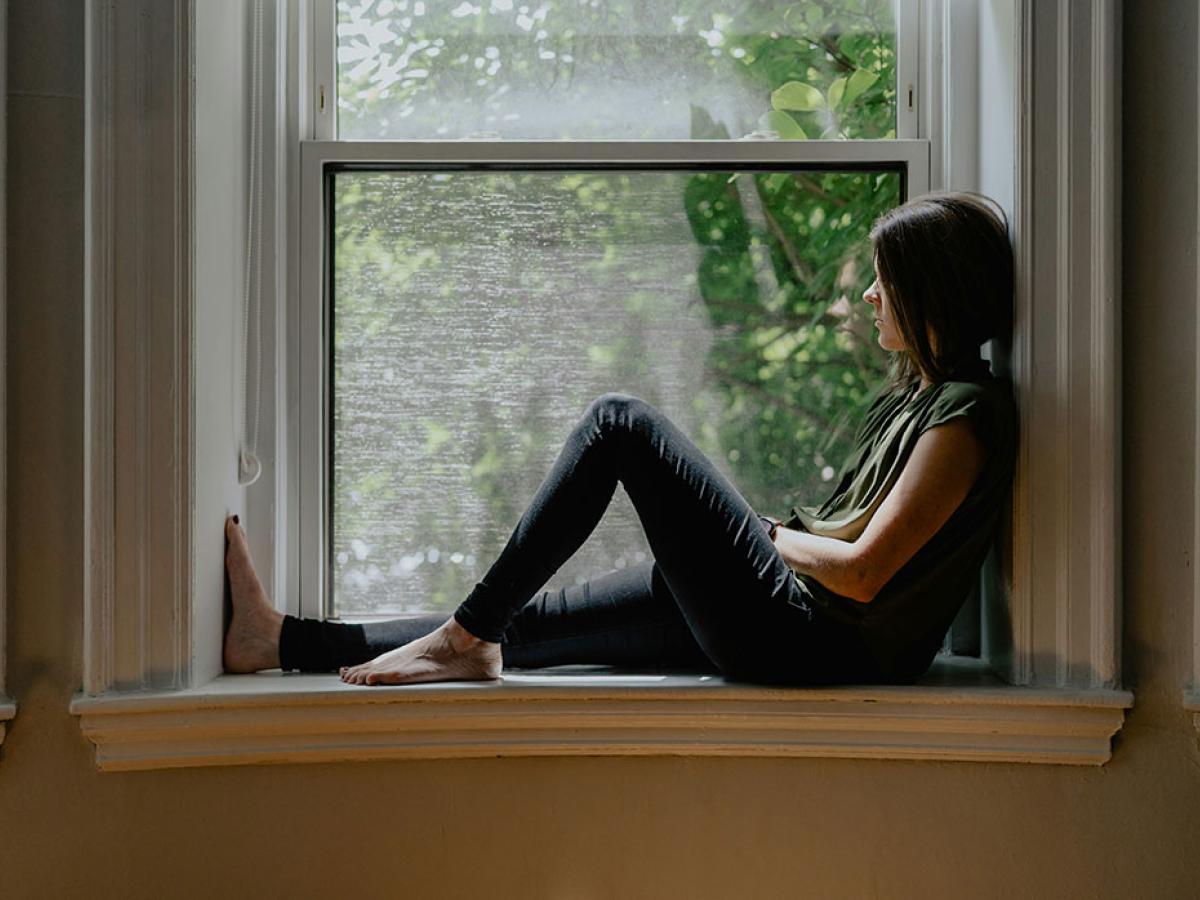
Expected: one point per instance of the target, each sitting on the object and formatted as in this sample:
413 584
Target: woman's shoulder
983 398
973 381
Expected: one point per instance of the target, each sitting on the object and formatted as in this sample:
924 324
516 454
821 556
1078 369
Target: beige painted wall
578 828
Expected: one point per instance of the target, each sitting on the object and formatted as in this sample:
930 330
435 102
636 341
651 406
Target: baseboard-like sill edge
956 714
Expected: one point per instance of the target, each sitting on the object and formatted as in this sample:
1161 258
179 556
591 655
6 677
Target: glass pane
476 314
609 69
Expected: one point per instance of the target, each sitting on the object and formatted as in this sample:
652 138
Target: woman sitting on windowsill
859 590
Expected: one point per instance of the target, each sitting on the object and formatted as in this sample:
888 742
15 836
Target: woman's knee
621 410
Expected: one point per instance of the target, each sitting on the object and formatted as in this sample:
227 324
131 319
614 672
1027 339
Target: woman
861 589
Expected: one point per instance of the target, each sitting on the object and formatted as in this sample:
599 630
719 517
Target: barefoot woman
861 589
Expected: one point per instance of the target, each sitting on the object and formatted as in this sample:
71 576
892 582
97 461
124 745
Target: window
478 297
161 472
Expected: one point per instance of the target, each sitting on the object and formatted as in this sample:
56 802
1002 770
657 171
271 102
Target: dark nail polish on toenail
235 521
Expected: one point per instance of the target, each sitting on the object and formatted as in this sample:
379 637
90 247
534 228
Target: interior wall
597 828
221 53
997 84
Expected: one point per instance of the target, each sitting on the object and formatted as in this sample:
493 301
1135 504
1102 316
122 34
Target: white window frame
149 700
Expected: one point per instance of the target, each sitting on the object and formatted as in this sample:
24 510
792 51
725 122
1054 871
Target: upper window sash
911 19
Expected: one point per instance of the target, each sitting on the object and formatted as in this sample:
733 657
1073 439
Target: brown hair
946 264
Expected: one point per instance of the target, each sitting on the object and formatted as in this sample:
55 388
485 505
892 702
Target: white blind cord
249 467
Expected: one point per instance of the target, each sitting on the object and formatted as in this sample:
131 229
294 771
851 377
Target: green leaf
704 126
789 129
835 92
859 82
798 96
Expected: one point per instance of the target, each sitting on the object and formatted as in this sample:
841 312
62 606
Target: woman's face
885 321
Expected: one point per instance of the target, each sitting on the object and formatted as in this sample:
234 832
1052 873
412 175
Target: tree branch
803 273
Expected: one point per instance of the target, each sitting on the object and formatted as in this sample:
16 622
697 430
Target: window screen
475 314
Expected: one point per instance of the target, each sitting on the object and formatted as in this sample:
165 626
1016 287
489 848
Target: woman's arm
937 477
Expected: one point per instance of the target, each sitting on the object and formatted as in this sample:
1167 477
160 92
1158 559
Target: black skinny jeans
717 597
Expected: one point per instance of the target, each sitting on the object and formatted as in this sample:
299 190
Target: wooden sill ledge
958 712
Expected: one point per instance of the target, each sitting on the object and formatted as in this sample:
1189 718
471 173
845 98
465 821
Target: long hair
946 263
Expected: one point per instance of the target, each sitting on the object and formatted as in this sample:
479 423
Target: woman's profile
860 589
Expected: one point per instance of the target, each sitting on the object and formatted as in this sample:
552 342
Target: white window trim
273 718
1058 642
8 709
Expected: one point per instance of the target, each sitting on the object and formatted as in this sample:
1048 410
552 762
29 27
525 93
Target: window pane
475 315
609 69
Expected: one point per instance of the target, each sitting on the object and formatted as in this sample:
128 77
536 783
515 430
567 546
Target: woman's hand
771 524
937 477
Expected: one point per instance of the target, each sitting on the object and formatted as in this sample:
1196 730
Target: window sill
958 712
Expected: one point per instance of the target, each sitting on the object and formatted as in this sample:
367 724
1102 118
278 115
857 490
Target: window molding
274 718
1066 348
138 400
1054 634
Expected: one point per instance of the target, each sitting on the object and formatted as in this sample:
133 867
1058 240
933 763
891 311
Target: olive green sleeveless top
904 625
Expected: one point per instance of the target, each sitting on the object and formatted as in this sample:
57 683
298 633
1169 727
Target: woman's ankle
461 639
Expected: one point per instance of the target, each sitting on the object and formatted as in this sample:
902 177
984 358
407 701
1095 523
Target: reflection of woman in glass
860 589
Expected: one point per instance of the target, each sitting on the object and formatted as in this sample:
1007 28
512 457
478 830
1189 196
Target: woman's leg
625 618
733 589
687 509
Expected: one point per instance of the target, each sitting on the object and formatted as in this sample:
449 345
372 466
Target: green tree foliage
782 256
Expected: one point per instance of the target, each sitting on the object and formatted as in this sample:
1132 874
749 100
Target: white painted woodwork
138 331
275 718
293 52
1063 599
221 165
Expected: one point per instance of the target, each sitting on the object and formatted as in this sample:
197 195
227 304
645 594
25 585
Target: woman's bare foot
252 641
449 654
